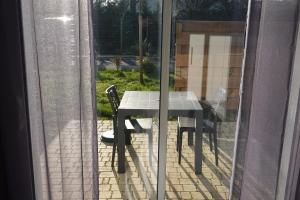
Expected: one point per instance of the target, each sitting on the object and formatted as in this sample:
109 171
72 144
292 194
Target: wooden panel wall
233 29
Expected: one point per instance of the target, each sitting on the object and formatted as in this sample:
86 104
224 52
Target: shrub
149 67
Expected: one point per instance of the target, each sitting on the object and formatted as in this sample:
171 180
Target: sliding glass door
205 70
177 68
127 41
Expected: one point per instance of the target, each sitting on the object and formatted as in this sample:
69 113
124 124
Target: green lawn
123 80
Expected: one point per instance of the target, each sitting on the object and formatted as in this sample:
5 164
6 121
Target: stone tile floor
140 179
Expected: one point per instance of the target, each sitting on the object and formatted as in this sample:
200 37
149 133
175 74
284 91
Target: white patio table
146 104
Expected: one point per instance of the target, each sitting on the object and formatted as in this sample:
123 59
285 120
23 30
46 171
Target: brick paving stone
185 195
189 188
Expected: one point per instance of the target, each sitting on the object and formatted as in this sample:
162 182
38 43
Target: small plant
117 62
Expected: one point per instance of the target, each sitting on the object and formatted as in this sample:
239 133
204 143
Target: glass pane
127 50
206 58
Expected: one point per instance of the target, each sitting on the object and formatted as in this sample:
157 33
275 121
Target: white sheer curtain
60 77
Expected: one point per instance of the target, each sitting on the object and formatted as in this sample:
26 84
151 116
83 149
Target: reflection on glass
195 65
127 50
207 46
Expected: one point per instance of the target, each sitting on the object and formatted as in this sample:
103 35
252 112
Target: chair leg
179 146
113 153
127 137
190 138
210 141
150 145
216 148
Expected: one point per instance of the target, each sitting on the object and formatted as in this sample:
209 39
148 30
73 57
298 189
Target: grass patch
123 80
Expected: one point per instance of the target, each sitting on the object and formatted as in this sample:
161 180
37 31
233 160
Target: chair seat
138 125
107 136
186 122
208 124
189 123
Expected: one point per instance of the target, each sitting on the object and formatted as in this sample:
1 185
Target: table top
147 101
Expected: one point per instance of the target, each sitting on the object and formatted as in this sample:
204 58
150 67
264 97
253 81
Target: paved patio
140 179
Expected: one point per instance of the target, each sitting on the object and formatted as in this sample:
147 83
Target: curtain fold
60 76
272 25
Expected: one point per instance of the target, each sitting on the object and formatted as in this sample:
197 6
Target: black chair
142 125
210 120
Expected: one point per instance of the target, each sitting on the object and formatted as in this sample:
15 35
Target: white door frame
164 97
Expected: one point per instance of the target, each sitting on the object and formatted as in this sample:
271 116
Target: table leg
190 138
121 143
198 143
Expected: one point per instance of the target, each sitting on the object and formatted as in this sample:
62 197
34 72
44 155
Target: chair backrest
113 98
221 97
114 101
209 113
